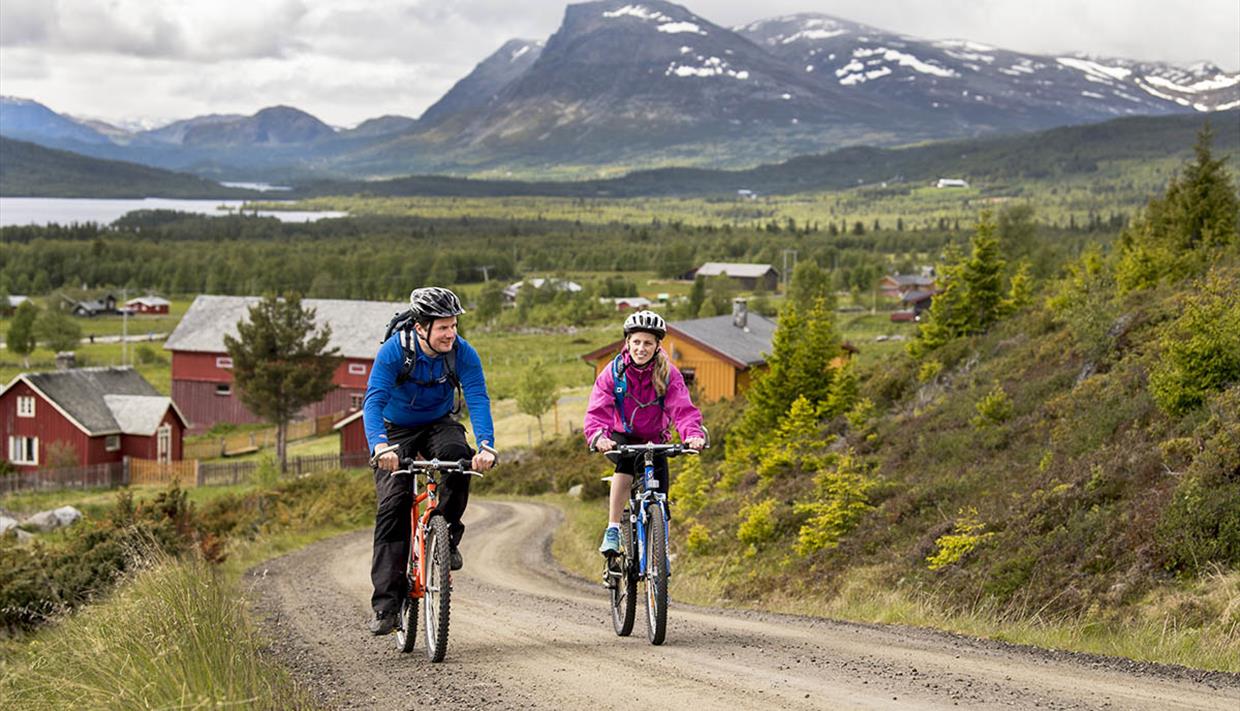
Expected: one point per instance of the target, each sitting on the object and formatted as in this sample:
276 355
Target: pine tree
281 363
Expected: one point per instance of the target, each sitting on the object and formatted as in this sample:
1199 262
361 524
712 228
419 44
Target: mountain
30 170
622 86
1055 153
32 121
983 86
480 87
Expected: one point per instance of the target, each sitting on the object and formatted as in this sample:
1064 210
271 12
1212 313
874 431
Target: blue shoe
611 542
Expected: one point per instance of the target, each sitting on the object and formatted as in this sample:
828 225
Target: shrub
690 487
929 370
697 541
966 535
1201 348
841 493
993 409
758 527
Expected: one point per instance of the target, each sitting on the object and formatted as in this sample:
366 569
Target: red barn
352 434
88 416
148 305
202 380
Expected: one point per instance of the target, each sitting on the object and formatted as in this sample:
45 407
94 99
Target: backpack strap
620 388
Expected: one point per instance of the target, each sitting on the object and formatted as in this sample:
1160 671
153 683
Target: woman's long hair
662 367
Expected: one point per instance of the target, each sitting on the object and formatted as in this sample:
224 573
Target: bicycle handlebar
432 465
668 449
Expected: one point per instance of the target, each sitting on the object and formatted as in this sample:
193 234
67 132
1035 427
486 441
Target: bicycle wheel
407 630
437 597
624 591
656 576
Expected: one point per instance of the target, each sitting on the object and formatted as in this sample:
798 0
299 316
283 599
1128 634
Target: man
410 400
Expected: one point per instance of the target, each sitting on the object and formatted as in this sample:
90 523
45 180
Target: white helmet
647 321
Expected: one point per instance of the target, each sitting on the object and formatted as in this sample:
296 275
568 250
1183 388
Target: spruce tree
281 363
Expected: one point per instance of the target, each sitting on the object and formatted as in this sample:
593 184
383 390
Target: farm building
202 381
352 431
148 305
512 290
897 285
87 416
747 276
717 355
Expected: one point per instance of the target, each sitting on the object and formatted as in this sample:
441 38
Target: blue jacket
411 404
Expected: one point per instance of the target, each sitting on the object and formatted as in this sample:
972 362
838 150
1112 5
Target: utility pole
124 328
788 272
485 273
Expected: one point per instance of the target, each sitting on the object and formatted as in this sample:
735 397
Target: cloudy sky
348 60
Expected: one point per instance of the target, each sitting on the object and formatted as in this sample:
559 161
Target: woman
634 401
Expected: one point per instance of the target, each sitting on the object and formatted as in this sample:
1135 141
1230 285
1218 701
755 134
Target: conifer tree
281 363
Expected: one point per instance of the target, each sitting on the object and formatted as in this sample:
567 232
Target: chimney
66 360
740 313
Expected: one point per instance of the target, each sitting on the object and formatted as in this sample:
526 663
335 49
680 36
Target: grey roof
913 280
734 269
913 297
81 394
748 345
138 414
150 301
357 326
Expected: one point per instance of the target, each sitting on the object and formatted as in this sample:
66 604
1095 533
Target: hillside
29 170
1055 153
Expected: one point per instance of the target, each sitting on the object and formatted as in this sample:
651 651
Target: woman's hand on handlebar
695 443
604 443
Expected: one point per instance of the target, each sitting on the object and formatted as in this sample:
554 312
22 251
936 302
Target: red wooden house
202 381
90 415
148 305
352 434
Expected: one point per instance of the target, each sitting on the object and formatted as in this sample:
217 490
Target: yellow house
717 355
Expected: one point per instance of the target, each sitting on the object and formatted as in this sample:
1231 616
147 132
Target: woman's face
642 346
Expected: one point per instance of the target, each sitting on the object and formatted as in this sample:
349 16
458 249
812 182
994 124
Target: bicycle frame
641 507
419 523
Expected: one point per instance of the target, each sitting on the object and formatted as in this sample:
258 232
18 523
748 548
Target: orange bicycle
429 572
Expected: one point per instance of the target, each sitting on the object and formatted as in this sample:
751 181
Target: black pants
442 439
635 464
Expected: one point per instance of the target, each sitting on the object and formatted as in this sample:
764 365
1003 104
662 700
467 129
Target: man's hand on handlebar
389 460
483 460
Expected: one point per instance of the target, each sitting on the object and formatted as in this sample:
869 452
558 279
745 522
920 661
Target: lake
42 211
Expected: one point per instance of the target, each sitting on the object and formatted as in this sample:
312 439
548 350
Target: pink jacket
649 424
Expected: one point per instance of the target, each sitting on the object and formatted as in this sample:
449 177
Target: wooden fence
246 442
190 472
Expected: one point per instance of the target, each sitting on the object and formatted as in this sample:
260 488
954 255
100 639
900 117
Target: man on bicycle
411 398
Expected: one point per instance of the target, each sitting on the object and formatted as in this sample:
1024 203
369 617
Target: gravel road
524 634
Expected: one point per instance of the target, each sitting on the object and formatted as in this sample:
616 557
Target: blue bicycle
643 547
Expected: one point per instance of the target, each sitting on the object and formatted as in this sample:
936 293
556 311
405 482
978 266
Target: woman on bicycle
634 401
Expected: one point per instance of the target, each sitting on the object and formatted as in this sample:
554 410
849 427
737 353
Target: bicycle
429 573
643 554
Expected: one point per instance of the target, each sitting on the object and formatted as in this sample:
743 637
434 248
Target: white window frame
18 450
357 369
223 362
25 406
163 443
112 443
356 400
223 389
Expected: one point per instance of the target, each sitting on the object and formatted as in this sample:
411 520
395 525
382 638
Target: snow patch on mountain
678 27
517 54
641 12
1094 69
1222 81
905 60
711 67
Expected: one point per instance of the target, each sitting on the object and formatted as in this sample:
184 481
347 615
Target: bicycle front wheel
437 598
624 587
656 576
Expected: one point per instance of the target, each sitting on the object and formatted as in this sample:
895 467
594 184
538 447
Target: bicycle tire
407 628
624 592
437 597
656 576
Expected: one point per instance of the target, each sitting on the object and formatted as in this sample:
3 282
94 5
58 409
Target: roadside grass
174 636
1151 634
176 633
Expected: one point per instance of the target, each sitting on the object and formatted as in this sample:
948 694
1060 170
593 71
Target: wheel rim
431 594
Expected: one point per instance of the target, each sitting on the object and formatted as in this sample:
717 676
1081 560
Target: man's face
441 335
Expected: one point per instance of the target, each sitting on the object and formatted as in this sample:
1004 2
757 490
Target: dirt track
526 635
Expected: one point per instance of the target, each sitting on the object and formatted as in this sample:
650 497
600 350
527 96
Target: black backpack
403 323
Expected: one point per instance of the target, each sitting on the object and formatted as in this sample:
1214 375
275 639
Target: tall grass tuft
175 636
